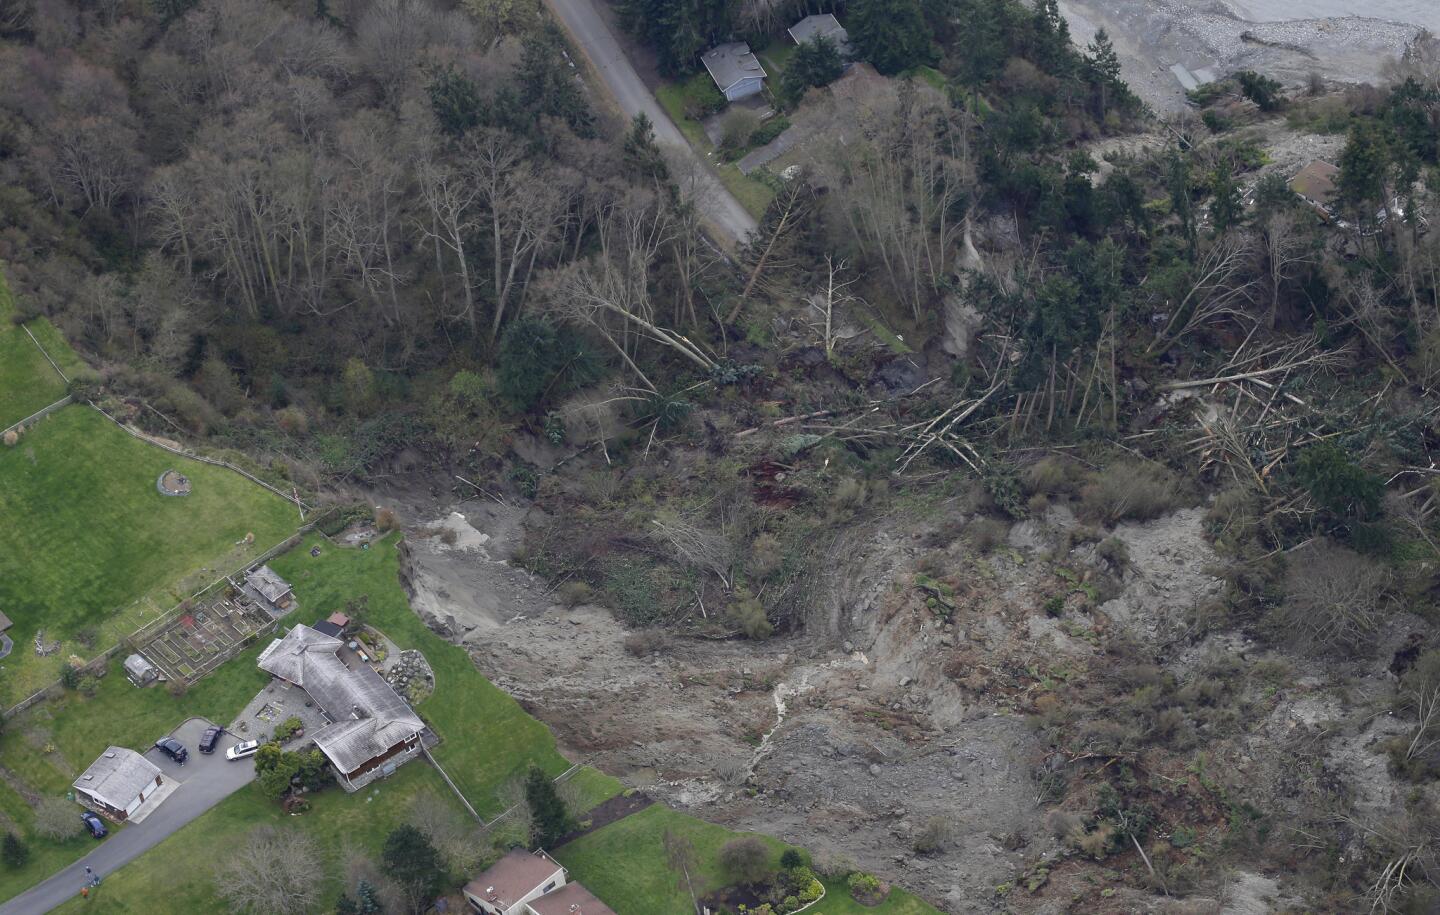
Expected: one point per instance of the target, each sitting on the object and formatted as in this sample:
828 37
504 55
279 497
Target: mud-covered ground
851 736
1285 41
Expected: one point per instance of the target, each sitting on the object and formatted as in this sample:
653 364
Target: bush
285 729
12 436
1114 551
749 614
14 851
792 859
735 129
934 836
768 131
1337 483
1335 600
574 593
1129 491
985 534
865 888
386 520
745 860
55 818
646 641
1049 476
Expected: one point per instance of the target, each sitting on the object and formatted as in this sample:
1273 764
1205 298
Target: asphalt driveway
589 31
204 782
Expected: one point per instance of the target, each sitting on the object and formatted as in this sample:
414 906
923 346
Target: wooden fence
39 414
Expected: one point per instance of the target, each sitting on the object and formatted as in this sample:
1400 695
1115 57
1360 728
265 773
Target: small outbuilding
140 671
821 25
118 782
270 590
735 69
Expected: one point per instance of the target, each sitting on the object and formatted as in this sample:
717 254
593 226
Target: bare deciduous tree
273 871
1335 599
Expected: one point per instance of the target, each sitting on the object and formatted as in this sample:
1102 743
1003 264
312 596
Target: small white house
513 882
118 782
735 69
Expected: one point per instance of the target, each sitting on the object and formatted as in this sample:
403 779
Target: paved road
205 782
589 31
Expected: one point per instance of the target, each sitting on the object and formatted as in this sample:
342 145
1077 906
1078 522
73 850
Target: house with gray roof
371 729
821 25
118 782
269 590
510 885
735 69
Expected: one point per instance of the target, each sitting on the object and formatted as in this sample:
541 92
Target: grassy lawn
487 738
27 381
93 546
754 195
176 876
775 56
47 746
624 864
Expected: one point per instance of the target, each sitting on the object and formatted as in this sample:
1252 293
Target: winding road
592 35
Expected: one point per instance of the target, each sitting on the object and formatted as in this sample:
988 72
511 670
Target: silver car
242 750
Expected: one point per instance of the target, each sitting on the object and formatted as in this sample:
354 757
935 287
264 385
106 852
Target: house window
548 887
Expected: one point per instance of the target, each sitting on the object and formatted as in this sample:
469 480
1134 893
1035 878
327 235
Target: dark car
210 738
173 749
94 824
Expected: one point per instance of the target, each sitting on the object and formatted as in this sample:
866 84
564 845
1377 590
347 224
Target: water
1424 13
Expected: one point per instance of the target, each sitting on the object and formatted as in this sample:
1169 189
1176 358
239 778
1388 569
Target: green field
176 876
94 550
624 864
48 745
27 381
487 739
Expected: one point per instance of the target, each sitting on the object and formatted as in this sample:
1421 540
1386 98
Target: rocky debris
411 675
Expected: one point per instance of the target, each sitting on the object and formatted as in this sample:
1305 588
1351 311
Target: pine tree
890 34
1363 167
547 812
1226 207
1104 69
1051 38
368 901
346 906
642 155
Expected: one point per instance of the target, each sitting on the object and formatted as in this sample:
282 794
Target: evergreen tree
367 899
548 87
987 30
13 851
890 34
814 63
1363 167
1179 181
1226 207
547 812
1103 66
1262 90
455 100
412 862
1051 50
642 154
346 906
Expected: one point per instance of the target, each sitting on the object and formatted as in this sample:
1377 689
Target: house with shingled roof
371 729
530 883
118 782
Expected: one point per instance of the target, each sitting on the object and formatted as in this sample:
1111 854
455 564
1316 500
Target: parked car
94 824
210 738
173 749
242 750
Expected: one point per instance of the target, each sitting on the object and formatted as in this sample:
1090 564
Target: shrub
736 126
286 728
1114 551
746 860
69 675
11 437
748 613
766 556
14 851
1049 475
770 130
386 520
574 593
934 836
1335 600
792 859
1337 483
55 819
865 888
985 534
1129 491
646 641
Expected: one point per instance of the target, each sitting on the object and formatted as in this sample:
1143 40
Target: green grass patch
754 195
27 381
591 788
624 864
929 76
90 546
775 56
487 738
48 745
177 875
